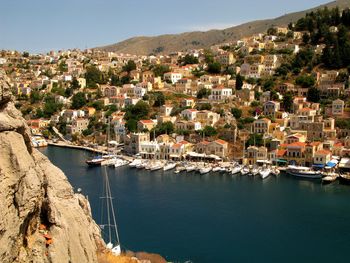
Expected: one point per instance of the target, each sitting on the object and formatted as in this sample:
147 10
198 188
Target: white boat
205 170
245 170
135 162
265 172
275 171
156 166
109 224
169 166
180 169
120 163
191 168
303 172
236 169
141 165
216 169
255 170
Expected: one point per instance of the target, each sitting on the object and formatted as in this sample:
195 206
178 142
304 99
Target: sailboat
111 223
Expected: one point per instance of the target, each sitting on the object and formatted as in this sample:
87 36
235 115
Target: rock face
41 218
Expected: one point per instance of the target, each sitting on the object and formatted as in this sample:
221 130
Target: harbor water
218 218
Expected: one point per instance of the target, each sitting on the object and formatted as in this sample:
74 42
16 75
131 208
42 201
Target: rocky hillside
194 40
41 218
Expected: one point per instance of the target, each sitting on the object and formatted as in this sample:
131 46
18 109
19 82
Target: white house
220 93
172 77
189 114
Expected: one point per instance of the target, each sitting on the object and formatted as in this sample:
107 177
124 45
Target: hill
194 40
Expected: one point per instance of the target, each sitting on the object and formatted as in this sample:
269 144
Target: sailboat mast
108 204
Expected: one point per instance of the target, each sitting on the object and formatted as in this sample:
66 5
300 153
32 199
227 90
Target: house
143 125
226 59
166 110
172 77
189 114
147 76
78 126
338 107
188 103
133 142
188 126
220 93
261 126
207 117
254 154
271 107
295 153
322 157
217 147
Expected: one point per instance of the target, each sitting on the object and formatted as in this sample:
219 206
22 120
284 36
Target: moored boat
265 172
245 170
303 172
96 161
344 178
236 169
205 170
169 166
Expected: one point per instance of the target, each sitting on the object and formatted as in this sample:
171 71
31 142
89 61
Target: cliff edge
41 218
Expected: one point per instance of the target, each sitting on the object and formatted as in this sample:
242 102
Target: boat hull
305 175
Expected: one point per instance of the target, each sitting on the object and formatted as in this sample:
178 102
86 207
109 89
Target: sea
189 217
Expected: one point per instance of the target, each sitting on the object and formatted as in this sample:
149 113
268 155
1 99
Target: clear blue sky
40 26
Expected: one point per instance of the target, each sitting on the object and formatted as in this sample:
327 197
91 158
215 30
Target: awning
332 163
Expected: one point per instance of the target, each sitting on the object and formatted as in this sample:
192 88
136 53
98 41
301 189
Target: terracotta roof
297 144
281 153
222 142
147 121
323 152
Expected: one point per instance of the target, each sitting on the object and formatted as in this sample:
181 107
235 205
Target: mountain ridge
167 43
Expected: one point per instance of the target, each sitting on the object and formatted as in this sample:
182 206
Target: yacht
236 169
120 163
205 170
135 162
169 166
108 222
179 169
191 168
245 170
96 161
264 172
156 166
255 170
303 172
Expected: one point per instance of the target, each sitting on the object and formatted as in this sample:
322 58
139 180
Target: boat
265 172
169 166
191 168
109 221
205 170
236 169
135 162
179 169
96 161
120 163
344 178
330 178
275 171
303 172
141 165
156 166
245 170
255 170
217 169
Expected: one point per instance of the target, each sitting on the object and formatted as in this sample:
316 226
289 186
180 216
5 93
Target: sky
44 25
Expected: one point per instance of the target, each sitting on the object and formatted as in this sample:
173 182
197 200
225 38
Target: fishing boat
303 172
205 170
169 166
330 178
265 172
109 225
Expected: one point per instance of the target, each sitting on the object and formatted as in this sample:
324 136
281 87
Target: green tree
209 131
159 99
203 93
129 66
78 100
164 128
188 59
239 82
305 81
204 106
288 102
35 96
313 95
214 68
237 113
94 76
160 70
75 84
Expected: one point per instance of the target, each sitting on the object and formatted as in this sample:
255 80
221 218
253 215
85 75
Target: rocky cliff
41 218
